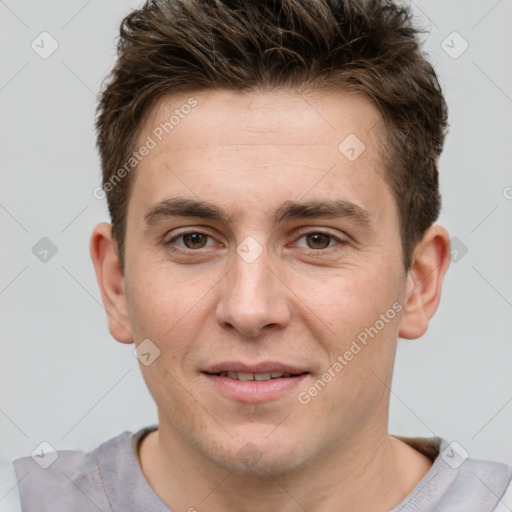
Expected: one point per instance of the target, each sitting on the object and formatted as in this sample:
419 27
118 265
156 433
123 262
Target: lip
263 367
254 391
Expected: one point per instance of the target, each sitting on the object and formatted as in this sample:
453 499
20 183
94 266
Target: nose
253 299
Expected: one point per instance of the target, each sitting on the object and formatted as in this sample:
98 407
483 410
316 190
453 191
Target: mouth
260 377
254 383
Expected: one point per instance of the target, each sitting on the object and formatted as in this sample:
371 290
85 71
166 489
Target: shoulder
457 482
481 484
71 480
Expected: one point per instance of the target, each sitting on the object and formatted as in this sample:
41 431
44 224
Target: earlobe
111 282
424 282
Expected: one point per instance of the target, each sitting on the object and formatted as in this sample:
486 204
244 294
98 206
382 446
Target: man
271 174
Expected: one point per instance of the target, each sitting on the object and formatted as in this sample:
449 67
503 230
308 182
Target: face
257 244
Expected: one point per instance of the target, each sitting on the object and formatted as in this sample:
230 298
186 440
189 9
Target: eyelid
314 229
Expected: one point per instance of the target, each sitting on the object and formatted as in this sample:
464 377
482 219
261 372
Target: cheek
358 330
152 310
350 300
172 311
163 299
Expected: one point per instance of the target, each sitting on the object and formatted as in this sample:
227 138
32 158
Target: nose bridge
252 298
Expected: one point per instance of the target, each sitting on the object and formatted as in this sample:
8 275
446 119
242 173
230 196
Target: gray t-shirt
109 479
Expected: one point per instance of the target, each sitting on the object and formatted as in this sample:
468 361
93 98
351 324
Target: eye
191 240
318 240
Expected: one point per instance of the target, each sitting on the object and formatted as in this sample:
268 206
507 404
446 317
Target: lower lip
254 390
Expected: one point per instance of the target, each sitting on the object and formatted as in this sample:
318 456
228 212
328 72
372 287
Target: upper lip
263 367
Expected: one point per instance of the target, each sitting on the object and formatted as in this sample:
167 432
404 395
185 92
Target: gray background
64 380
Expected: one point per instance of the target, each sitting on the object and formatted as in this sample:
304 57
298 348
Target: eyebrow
183 207
289 210
337 208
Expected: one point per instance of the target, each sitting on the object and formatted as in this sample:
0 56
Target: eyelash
339 242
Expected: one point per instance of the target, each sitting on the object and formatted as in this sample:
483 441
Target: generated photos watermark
330 373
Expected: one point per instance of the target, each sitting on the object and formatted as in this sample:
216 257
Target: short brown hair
370 46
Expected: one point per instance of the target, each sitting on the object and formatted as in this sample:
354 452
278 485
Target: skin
297 303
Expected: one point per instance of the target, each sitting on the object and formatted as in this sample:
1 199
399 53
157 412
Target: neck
368 472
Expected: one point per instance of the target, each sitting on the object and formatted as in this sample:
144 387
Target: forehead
262 117
261 144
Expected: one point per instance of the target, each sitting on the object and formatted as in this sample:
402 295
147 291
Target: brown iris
318 240
194 240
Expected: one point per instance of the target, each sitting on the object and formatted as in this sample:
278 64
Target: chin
262 456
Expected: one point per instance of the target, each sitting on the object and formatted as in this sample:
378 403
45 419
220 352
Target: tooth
245 376
262 376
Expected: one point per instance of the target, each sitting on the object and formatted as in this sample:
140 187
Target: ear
431 259
111 282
